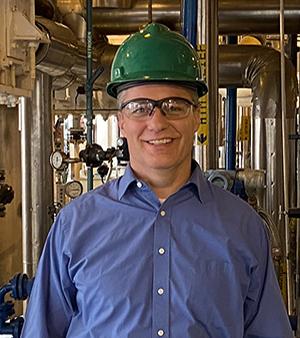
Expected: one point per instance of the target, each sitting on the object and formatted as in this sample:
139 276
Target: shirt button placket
160 333
160 291
161 251
161 275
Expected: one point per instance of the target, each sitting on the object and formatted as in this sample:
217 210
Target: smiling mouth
160 141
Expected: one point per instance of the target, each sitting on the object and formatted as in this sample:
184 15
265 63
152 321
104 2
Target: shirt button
161 251
139 184
160 333
162 213
160 291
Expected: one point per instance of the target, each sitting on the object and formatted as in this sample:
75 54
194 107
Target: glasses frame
158 104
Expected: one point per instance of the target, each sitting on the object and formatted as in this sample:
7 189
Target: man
159 252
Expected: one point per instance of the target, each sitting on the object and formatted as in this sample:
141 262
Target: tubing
24 115
89 86
290 296
235 16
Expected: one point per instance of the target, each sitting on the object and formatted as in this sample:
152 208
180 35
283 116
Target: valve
19 288
6 193
94 155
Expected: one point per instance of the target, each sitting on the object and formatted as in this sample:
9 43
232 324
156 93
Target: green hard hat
156 54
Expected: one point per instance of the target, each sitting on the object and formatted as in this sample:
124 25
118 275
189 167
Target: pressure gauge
57 160
73 189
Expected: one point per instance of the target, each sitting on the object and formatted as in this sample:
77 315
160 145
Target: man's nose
157 120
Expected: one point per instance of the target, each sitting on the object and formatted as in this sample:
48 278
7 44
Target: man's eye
139 110
174 107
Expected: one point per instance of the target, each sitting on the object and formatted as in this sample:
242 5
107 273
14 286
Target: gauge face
57 160
73 189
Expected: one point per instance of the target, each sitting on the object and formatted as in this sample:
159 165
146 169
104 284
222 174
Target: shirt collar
125 181
200 183
197 180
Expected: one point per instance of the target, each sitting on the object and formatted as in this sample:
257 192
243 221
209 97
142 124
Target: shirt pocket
215 294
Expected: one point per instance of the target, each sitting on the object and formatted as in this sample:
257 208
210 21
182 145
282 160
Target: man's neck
165 182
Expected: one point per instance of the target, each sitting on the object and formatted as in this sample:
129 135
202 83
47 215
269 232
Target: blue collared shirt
119 264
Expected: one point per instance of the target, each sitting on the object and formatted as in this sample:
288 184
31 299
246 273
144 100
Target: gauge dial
57 160
73 189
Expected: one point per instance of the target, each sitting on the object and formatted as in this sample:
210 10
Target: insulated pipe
258 67
290 292
116 21
112 3
25 119
256 16
41 148
235 16
64 57
61 53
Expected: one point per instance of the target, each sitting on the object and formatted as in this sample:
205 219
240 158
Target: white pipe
24 122
290 297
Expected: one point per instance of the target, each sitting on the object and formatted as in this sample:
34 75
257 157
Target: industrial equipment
6 193
18 288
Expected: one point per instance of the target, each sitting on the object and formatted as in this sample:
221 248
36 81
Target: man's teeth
161 141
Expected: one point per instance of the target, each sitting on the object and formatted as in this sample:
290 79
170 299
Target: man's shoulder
234 210
100 197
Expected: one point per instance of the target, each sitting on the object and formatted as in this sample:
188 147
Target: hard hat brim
112 88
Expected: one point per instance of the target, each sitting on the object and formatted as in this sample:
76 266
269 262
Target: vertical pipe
298 222
89 85
200 151
230 144
207 40
230 151
190 20
285 169
212 78
149 11
41 172
24 121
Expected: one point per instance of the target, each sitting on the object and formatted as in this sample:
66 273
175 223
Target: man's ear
121 122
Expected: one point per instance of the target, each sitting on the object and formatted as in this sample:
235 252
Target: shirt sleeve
264 310
52 300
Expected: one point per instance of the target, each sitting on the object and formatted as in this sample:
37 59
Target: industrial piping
235 16
258 67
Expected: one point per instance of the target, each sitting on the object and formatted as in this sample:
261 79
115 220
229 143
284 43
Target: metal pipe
235 16
258 67
41 148
25 118
89 85
285 163
230 140
112 3
64 56
297 276
200 148
231 116
149 11
116 21
256 16
212 79
189 29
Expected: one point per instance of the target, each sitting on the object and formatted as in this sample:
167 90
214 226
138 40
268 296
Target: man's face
158 143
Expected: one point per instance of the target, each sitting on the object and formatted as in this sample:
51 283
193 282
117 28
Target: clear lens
171 107
138 109
176 107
